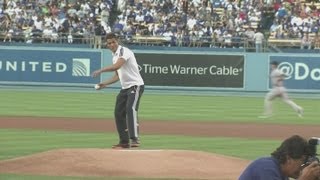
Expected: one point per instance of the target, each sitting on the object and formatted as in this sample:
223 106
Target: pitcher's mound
127 163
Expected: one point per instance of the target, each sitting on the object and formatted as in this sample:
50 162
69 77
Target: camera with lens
313 142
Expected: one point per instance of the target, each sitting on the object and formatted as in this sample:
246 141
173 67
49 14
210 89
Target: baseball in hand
96 86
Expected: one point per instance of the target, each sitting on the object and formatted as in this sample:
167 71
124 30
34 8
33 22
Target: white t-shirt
129 74
259 37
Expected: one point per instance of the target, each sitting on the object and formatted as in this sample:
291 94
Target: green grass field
152 107
15 142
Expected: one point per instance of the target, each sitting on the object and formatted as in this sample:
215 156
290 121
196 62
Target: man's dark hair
111 36
294 147
274 63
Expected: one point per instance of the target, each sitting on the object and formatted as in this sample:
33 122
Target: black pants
126 113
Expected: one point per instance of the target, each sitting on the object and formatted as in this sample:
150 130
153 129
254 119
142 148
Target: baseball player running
278 90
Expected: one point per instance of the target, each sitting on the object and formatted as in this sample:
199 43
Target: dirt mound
127 163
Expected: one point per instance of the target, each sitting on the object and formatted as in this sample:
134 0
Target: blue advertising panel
302 72
48 66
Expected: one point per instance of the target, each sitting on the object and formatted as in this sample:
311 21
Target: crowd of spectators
47 21
193 23
296 20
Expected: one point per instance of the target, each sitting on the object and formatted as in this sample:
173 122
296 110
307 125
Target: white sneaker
264 116
300 113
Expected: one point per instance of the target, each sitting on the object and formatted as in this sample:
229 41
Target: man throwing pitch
127 103
278 90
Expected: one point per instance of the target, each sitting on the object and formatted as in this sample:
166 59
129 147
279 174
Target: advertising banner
48 66
301 72
192 70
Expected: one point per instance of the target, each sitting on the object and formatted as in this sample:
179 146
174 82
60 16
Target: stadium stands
181 23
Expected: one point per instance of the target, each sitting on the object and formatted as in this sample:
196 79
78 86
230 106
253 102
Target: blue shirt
265 168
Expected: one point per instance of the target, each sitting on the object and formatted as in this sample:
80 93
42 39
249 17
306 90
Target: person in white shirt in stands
127 72
306 41
227 36
70 37
140 17
278 90
258 38
191 22
8 34
47 34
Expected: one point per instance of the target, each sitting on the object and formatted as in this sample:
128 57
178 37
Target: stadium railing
90 42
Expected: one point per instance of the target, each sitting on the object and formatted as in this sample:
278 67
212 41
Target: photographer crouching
294 158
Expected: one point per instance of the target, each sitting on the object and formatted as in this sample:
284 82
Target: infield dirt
177 164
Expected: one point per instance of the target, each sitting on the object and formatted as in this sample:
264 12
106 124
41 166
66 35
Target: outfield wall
171 70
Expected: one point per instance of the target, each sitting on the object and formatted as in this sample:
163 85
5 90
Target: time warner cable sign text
192 70
301 72
48 66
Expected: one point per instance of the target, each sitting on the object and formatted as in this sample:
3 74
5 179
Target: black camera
313 142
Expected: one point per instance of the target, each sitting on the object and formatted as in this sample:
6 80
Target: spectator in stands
279 34
229 8
8 34
70 37
5 21
129 29
259 40
295 30
193 38
148 18
11 3
54 36
214 40
267 16
253 16
227 37
281 13
105 15
36 34
172 41
139 17
98 33
249 34
238 21
117 27
179 37
216 3
237 40
191 22
219 36
47 34
132 15
316 41
186 38
306 42
230 24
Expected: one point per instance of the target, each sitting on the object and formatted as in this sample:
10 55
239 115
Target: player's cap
274 63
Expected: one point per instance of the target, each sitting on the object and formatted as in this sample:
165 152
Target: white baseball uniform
278 90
